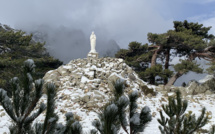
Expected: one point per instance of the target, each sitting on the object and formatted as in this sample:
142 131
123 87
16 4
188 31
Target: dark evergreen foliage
24 99
21 108
138 121
177 122
135 54
49 125
15 48
72 126
108 123
152 62
118 89
114 114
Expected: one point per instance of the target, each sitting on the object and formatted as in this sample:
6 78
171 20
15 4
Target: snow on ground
195 105
86 115
63 105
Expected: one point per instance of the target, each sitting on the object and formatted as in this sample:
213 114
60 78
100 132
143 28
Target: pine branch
122 103
50 107
16 95
6 104
177 122
38 94
30 119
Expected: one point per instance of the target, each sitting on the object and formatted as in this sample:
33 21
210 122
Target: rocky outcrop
91 79
205 86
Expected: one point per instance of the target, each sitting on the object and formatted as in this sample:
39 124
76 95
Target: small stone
86 98
90 104
120 60
63 111
149 95
208 92
154 114
98 97
82 85
98 93
87 90
2 114
162 99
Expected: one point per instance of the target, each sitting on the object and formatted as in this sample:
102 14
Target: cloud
205 19
122 20
210 22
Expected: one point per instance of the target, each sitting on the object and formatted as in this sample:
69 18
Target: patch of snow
171 93
120 60
208 77
67 67
93 67
90 73
84 79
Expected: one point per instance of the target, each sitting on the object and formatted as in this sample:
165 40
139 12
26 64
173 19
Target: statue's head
92 32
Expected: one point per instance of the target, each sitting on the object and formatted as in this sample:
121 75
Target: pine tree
108 122
49 125
177 122
72 126
183 68
25 95
138 121
152 62
15 48
114 114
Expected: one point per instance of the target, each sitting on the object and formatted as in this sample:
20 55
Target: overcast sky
121 20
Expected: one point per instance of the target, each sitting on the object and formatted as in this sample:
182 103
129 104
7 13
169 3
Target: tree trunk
167 58
209 56
167 63
174 78
154 57
153 61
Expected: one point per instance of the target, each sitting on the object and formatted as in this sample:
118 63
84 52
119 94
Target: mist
123 21
66 25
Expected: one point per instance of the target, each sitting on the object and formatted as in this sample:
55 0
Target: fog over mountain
67 43
66 25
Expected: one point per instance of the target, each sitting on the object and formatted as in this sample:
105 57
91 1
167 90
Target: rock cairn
91 79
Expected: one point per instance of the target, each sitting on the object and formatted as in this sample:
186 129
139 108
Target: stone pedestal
92 57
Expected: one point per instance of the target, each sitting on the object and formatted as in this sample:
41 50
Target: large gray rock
114 78
205 86
53 75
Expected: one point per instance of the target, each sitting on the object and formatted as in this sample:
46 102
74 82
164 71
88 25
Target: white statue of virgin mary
93 43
